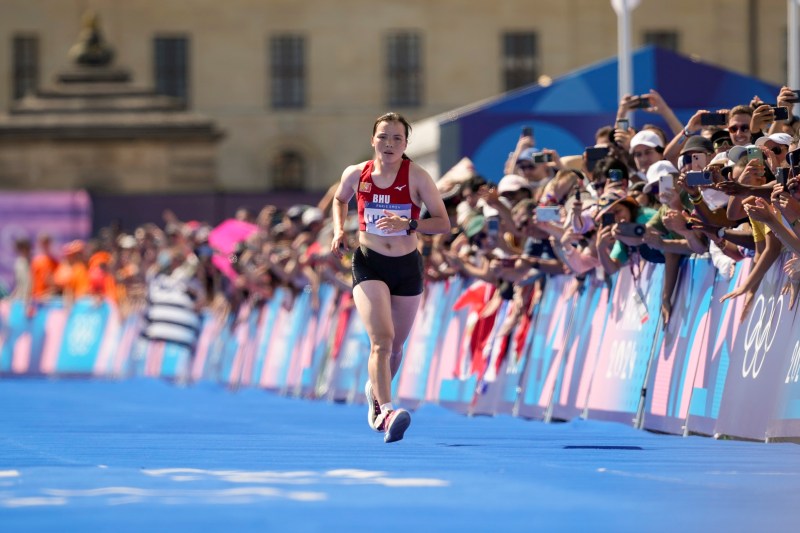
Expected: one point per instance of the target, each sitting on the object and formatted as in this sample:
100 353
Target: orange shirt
73 279
43 267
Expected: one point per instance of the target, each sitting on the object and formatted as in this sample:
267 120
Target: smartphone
593 155
795 98
699 178
548 214
614 174
527 131
713 119
607 219
542 157
623 124
755 152
699 161
783 175
493 227
781 113
666 182
426 249
793 158
630 229
640 102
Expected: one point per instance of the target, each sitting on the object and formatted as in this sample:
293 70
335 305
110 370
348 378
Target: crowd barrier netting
593 349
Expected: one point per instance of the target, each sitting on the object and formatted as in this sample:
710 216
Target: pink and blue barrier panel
586 349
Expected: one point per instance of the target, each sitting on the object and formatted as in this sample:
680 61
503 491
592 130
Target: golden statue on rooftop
91 49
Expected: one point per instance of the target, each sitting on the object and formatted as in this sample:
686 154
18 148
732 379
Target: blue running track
144 455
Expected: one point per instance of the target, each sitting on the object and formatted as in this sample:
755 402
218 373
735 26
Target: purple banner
65 216
709 379
631 332
675 364
570 396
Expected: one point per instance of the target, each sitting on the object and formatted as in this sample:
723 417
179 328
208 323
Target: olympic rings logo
760 334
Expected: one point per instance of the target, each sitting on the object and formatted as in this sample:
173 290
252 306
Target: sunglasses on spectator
724 142
527 167
735 128
776 150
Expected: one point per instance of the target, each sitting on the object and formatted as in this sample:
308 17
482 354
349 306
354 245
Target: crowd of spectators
723 184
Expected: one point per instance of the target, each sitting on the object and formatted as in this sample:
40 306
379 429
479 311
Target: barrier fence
591 349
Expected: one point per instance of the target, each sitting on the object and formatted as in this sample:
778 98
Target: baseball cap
646 138
295 212
606 204
697 143
512 183
719 159
777 138
720 136
736 152
527 155
311 215
656 170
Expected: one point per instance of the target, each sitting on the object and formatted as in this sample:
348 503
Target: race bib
374 211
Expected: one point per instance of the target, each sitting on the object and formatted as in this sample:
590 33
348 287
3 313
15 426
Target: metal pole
624 85
793 44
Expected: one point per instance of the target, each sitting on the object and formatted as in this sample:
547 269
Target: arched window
289 171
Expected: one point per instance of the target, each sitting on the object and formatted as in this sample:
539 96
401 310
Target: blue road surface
144 455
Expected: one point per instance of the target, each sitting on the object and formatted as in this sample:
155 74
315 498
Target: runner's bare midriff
392 246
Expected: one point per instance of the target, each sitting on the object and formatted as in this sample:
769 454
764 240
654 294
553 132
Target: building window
520 59
404 69
288 69
172 67
289 171
668 40
25 64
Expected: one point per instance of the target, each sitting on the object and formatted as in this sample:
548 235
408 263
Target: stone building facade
295 84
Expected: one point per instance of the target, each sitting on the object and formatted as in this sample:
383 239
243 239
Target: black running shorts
403 274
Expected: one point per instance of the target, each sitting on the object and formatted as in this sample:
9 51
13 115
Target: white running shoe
373 407
393 423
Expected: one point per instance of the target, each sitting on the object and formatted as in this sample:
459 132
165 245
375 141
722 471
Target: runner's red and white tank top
372 200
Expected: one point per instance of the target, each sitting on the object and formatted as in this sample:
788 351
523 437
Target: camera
640 102
623 124
755 152
593 155
607 219
542 157
713 119
492 227
699 178
783 175
614 174
548 214
781 113
527 131
630 229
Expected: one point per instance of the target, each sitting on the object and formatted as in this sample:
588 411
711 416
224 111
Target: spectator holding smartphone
613 248
767 244
647 147
778 144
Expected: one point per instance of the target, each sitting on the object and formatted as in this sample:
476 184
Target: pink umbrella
223 240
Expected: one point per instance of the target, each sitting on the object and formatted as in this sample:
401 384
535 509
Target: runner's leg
373 303
404 311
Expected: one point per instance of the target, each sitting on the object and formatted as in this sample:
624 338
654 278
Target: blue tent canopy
566 114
